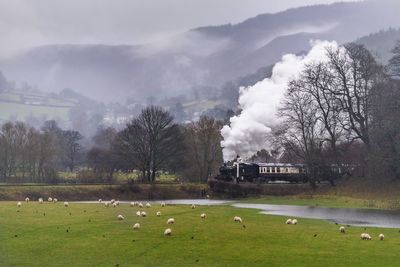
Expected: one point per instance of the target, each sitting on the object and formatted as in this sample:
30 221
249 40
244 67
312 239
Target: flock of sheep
168 231
136 226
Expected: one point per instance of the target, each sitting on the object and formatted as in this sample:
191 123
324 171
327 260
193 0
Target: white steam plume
248 131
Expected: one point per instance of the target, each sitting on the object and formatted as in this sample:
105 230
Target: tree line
150 143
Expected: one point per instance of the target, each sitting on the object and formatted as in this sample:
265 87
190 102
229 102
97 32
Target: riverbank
94 192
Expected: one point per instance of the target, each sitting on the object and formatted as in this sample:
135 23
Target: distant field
90 235
21 105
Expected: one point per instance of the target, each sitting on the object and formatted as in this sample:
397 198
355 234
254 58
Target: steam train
278 172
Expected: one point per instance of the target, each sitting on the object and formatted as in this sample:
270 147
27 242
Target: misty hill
381 43
199 61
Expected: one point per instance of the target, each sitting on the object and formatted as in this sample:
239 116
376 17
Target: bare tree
355 72
302 132
71 147
150 141
203 148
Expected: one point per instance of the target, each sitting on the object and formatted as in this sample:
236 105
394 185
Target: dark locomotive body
276 172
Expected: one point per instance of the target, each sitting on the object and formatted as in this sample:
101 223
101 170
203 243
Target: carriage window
272 169
268 169
286 170
278 169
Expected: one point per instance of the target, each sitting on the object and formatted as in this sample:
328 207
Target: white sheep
171 221
168 231
132 204
120 217
237 219
365 236
55 200
27 199
100 200
203 216
381 236
162 204
136 226
115 204
138 213
140 205
342 229
50 199
294 221
148 205
289 221
106 204
19 204
40 200
143 214
158 213
66 204
112 201
193 206
136 203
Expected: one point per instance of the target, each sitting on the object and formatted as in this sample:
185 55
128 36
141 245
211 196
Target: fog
27 23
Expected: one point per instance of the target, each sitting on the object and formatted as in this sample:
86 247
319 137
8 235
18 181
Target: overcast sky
26 23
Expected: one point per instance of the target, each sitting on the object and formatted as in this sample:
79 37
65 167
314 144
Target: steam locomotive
274 172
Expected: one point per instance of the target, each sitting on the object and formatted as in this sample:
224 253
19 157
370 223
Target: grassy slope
21 110
217 241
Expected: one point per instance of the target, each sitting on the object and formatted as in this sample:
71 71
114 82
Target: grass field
90 235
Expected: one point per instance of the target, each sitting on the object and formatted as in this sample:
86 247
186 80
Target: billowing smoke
248 132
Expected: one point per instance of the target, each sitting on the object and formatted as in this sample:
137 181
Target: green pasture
50 234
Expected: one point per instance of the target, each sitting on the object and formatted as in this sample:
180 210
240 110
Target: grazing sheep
50 199
342 229
66 204
132 204
27 199
365 236
136 226
193 206
140 205
148 205
19 204
162 204
158 213
106 204
203 216
100 200
55 200
143 214
115 204
289 221
40 200
136 203
120 217
294 221
381 236
138 213
171 221
168 231
237 219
